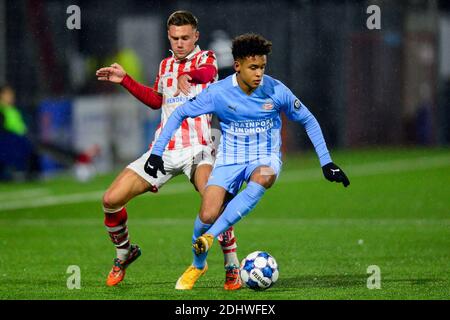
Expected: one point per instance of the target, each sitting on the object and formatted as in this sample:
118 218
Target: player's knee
206 217
111 201
209 213
271 180
265 176
266 181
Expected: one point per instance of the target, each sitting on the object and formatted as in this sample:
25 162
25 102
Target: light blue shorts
232 176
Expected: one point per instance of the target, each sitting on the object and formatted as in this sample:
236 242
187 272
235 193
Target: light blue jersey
250 124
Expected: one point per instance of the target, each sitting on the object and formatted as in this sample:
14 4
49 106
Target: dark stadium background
363 85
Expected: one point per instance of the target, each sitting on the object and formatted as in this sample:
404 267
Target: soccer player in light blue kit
248 105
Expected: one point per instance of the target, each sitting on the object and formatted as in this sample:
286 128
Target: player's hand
183 85
333 173
153 164
115 73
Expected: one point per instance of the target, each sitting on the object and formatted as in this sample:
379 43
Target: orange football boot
117 272
232 278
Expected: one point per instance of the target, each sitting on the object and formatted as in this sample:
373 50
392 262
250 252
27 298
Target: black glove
153 164
333 173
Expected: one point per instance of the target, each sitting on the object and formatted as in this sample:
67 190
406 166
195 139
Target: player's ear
197 35
237 66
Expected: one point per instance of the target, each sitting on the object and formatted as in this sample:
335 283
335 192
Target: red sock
227 241
116 225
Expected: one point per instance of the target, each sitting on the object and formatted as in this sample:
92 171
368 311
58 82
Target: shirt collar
234 79
189 56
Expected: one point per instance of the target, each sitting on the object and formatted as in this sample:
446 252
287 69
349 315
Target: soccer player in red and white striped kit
191 151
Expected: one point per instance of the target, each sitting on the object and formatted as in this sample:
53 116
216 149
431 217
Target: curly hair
182 18
249 45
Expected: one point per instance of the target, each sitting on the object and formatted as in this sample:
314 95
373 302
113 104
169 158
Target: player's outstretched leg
116 225
227 241
125 187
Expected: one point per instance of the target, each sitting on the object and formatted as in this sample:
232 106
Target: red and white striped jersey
193 131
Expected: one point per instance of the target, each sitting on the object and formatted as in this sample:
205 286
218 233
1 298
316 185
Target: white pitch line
360 170
20 194
52 200
92 196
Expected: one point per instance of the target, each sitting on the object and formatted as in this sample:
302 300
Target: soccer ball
259 270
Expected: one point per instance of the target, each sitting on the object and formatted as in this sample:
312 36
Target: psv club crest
268 105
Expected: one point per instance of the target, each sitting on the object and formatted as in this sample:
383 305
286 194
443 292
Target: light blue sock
238 208
199 229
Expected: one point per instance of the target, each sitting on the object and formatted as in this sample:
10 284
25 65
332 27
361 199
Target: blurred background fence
382 87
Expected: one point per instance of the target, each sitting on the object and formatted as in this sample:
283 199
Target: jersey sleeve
204 74
207 57
297 111
145 94
198 105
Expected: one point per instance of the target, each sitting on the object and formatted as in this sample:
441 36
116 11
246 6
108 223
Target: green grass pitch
395 215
